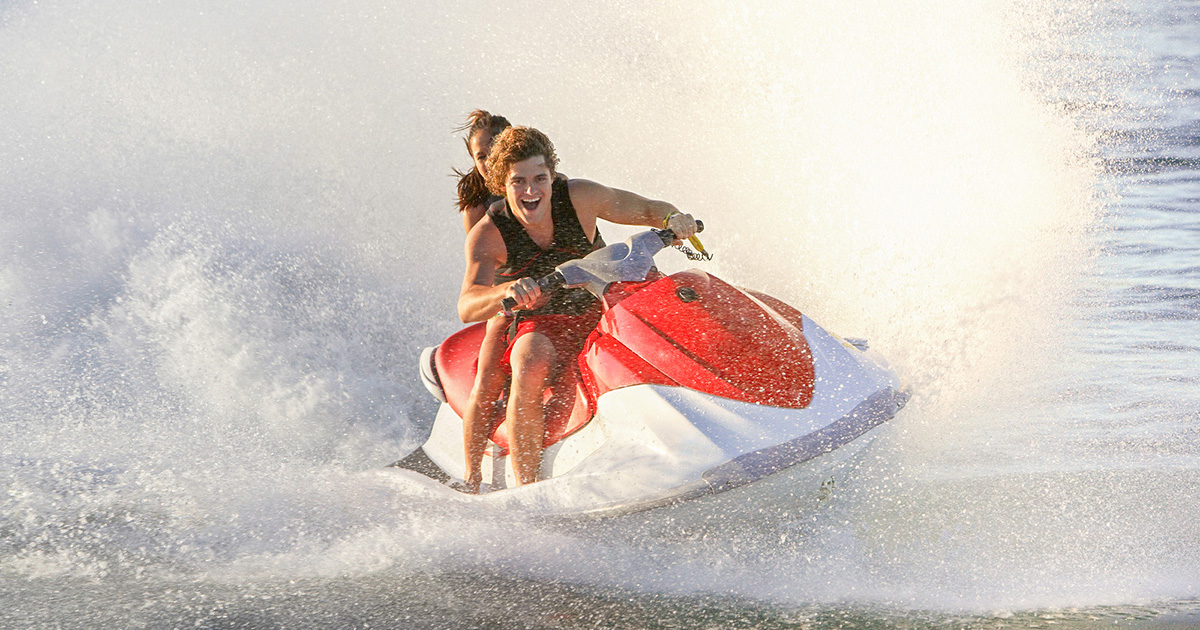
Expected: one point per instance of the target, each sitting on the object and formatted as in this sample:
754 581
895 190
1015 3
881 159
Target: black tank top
524 259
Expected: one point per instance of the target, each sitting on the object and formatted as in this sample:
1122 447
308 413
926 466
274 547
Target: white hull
652 445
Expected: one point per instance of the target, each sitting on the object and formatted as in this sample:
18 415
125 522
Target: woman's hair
472 189
514 145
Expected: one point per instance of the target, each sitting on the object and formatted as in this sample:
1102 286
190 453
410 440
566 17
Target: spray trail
227 231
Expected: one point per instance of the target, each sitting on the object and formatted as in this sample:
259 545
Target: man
543 222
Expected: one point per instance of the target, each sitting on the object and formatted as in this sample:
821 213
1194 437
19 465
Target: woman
473 195
473 201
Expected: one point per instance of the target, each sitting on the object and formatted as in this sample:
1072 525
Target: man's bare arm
480 297
593 200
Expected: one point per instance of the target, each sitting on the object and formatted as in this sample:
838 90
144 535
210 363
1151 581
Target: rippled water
227 232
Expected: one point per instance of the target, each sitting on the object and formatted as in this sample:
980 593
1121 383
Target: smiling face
527 188
512 146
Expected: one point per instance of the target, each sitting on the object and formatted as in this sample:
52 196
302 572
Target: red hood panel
710 336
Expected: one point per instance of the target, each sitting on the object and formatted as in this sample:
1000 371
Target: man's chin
535 214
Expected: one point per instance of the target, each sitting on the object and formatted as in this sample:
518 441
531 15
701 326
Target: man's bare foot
466 487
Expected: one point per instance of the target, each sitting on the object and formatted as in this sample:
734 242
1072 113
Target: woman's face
479 144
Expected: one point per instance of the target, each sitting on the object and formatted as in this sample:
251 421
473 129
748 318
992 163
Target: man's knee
533 355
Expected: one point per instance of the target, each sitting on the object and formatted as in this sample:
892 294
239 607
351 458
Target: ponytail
472 190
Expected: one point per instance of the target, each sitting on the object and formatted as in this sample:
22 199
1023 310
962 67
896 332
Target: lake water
226 232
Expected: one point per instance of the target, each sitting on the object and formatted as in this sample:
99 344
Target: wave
228 231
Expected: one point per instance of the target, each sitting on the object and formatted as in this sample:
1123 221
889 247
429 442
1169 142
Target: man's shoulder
484 234
586 190
588 196
580 184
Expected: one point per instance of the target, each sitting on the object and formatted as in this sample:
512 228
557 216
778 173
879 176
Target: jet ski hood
734 345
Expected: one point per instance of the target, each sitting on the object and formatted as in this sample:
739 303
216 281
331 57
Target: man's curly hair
514 145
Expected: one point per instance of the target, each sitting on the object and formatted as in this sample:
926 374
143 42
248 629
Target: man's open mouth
531 204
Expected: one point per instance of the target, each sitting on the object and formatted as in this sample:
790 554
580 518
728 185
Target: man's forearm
657 213
478 303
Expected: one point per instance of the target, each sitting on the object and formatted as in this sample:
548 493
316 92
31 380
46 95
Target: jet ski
688 387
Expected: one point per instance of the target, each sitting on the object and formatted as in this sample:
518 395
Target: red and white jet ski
688 386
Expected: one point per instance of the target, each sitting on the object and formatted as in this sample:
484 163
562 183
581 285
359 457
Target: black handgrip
668 236
549 284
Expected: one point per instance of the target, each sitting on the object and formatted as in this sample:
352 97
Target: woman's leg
479 417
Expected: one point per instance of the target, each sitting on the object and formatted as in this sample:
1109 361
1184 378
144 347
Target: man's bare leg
532 360
481 406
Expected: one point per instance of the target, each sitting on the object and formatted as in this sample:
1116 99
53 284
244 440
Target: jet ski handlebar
555 280
668 236
549 284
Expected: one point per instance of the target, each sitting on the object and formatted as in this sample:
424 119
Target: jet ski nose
429 375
